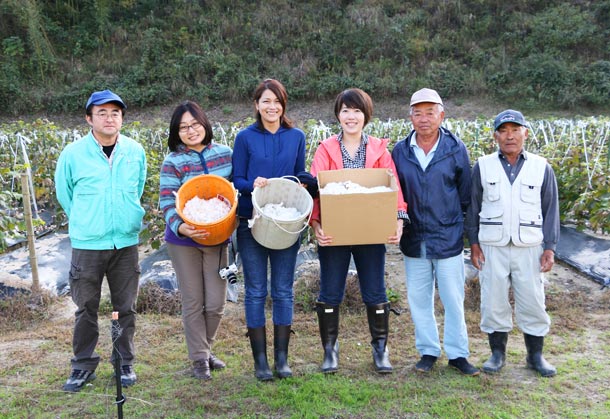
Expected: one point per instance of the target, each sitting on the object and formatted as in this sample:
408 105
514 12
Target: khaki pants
88 267
519 268
203 294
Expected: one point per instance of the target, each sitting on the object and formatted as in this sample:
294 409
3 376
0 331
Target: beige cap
425 95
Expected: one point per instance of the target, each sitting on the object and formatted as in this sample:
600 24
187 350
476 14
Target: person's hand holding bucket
260 182
188 230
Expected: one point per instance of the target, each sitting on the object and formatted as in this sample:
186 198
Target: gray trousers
204 294
88 267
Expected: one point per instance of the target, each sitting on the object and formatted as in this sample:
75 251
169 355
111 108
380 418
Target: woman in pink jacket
353 149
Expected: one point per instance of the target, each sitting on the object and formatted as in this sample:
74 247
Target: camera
229 273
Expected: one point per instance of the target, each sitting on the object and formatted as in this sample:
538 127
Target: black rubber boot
378 316
535 360
328 320
497 343
258 342
281 339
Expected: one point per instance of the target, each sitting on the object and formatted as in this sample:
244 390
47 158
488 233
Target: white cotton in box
359 218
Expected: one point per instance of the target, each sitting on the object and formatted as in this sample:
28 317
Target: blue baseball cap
104 96
509 115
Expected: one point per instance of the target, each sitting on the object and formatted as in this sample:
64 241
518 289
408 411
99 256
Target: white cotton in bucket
281 213
348 187
205 211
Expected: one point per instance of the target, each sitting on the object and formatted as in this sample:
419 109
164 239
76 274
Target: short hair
279 91
357 99
173 140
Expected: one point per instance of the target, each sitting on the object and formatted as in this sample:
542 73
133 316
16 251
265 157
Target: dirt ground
227 113
577 306
577 344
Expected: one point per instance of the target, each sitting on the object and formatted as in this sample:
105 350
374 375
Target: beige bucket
276 234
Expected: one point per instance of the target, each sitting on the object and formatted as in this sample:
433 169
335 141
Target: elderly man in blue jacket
434 173
99 180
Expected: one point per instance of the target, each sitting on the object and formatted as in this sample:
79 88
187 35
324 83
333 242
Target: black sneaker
128 376
77 380
426 363
463 366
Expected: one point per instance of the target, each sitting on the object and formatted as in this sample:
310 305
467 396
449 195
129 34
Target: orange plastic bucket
207 187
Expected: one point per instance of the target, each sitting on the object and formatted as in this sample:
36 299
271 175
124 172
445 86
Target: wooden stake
25 190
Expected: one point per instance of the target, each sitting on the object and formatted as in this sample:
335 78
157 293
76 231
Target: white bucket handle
308 218
292 177
293 232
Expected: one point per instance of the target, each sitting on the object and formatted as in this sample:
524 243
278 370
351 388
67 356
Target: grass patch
34 363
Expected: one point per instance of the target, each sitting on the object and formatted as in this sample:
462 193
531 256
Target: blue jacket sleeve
464 178
240 165
300 163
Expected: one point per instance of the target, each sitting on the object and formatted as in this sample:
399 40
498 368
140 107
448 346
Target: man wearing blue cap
99 181
513 228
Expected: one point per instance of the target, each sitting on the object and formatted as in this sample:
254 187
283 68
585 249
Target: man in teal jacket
99 180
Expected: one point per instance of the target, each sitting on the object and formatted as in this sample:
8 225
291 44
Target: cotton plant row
578 149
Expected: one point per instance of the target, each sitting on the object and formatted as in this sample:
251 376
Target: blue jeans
255 258
449 273
370 264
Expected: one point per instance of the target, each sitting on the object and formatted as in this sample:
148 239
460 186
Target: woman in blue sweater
202 289
271 147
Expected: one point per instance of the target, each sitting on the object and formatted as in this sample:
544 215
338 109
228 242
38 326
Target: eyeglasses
185 128
105 115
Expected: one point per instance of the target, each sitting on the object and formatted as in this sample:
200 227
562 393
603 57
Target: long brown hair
279 91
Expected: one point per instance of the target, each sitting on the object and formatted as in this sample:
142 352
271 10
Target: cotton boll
281 213
205 211
348 187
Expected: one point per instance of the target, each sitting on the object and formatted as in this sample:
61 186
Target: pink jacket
328 157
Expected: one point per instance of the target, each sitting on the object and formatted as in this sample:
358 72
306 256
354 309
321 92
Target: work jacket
101 195
438 197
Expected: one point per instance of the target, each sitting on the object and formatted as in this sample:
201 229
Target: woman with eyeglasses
197 267
271 147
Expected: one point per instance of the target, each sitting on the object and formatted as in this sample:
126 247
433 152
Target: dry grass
24 308
34 363
154 299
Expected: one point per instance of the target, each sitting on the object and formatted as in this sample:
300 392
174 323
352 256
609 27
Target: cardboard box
359 218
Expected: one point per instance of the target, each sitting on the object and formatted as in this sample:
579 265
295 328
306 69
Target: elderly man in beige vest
513 228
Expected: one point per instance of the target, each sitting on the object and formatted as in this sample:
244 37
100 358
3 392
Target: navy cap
509 115
104 96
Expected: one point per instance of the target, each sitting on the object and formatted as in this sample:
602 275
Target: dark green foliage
534 53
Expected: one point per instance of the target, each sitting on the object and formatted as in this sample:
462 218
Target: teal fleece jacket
101 196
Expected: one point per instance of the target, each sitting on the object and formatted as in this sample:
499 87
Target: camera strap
233 253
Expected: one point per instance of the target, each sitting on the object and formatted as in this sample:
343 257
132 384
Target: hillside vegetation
533 53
